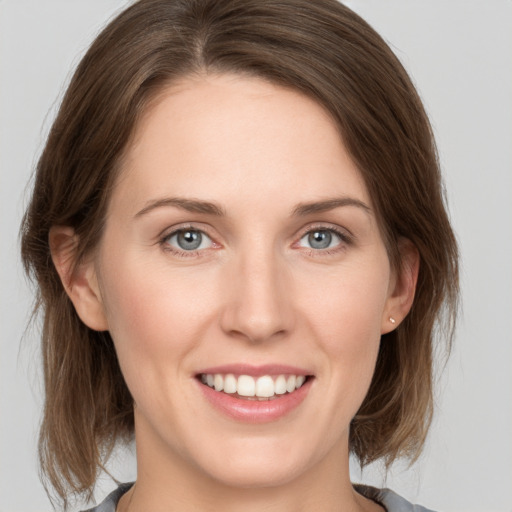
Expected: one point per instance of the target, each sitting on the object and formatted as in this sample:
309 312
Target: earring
392 320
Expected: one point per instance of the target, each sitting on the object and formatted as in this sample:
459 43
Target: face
244 281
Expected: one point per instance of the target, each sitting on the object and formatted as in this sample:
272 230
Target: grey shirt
385 497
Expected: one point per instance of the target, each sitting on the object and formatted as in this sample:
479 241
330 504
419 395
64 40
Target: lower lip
256 411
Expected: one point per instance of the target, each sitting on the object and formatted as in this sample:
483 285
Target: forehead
223 137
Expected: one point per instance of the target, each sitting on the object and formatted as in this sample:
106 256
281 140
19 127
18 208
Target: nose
258 304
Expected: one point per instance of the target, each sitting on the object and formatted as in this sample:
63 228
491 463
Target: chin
259 474
253 465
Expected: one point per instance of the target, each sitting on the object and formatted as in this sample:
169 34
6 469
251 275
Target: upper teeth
245 385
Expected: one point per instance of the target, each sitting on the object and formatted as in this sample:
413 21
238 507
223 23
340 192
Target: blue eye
321 239
189 240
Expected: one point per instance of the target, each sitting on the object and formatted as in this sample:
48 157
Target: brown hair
320 48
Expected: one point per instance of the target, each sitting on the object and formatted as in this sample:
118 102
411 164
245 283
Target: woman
249 252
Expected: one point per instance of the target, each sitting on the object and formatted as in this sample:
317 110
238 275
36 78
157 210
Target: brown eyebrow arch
191 205
328 204
206 207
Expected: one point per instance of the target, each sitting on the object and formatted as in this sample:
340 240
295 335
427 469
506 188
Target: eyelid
345 234
346 239
175 234
196 226
166 234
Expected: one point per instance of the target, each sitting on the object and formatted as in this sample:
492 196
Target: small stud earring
392 320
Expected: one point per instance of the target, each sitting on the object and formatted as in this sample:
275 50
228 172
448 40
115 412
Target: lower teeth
255 398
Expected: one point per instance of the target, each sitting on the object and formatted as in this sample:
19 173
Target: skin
256 291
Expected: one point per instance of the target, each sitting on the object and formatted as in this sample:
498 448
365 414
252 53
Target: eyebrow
210 208
303 209
191 205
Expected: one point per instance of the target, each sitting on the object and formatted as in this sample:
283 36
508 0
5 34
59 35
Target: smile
255 394
265 387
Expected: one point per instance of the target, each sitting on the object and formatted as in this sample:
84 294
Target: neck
168 482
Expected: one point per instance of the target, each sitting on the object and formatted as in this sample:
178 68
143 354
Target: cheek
349 305
156 316
151 317
346 320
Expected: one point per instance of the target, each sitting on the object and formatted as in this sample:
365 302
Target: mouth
255 394
248 387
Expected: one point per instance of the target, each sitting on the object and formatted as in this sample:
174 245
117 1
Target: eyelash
345 240
178 252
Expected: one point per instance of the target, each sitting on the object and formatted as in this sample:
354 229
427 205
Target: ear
80 283
402 287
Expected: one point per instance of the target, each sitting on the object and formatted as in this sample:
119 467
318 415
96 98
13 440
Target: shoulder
391 501
109 504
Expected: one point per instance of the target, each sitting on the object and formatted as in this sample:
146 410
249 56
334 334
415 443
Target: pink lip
255 371
255 411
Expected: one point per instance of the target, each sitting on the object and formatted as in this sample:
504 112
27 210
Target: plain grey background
459 53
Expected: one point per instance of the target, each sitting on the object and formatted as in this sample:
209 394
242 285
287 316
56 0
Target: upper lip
255 370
